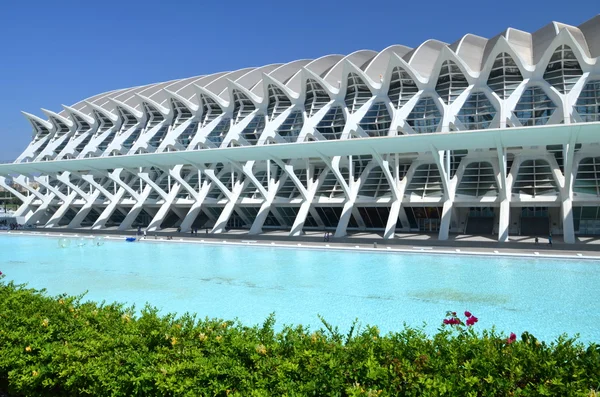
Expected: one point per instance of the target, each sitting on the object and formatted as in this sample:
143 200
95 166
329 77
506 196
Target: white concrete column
503 192
446 218
41 215
25 208
390 227
298 225
136 209
89 198
568 224
61 211
350 193
189 219
84 211
221 223
503 221
307 194
261 217
108 211
340 230
567 188
442 160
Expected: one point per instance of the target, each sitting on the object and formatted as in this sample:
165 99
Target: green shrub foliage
66 346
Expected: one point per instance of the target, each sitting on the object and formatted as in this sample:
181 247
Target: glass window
61 128
210 110
104 123
376 217
181 113
478 180
535 178
375 184
357 93
316 98
588 103
291 127
477 113
332 124
287 187
377 120
42 130
153 116
253 130
451 82
218 134
426 182
402 88
243 106
563 70
83 143
251 190
188 134
534 107
128 120
159 136
278 102
130 140
359 164
82 125
505 76
425 116
105 142
588 176
331 187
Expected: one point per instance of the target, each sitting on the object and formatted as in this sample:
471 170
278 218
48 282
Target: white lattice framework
339 142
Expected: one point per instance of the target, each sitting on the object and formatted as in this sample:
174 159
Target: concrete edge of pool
377 247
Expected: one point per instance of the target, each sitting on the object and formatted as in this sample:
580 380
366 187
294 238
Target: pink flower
512 338
452 321
467 314
475 319
454 313
470 321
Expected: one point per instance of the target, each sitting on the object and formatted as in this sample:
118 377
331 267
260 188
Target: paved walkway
585 247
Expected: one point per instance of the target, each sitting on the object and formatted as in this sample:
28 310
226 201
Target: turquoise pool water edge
547 297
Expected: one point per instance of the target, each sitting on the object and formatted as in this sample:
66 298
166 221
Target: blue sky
60 52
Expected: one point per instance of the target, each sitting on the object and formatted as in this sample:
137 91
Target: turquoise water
545 297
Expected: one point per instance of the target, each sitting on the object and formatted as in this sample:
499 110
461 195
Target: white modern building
493 137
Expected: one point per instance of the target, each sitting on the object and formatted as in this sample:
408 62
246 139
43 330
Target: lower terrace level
544 181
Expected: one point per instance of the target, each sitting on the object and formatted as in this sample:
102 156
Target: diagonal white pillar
229 208
108 211
192 214
84 211
503 192
567 188
61 211
442 163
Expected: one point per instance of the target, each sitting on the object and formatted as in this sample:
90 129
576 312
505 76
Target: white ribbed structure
482 136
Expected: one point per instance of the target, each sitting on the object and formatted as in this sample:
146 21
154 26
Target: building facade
483 136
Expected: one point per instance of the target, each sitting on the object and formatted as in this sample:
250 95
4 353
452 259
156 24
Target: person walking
550 239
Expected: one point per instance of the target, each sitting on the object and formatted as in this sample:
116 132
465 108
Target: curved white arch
359 58
591 33
470 49
424 57
379 64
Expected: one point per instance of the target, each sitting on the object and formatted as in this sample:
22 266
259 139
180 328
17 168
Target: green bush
66 346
